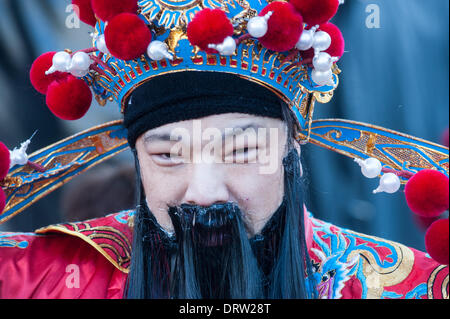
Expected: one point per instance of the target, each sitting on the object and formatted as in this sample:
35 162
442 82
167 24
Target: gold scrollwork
377 277
323 97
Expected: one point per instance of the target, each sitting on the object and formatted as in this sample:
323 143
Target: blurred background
394 74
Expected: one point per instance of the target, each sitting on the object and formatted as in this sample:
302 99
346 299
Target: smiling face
230 157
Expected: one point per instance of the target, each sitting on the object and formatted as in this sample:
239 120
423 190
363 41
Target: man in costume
227 222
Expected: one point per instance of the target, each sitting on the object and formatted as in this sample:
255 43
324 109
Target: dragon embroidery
332 273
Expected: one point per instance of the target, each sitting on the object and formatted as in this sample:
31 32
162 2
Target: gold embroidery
99 232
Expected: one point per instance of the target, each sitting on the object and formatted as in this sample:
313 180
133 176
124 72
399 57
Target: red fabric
415 275
42 266
45 270
424 269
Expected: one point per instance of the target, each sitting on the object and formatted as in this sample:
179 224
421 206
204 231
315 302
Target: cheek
161 189
258 195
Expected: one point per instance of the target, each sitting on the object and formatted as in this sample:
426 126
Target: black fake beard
210 255
214 257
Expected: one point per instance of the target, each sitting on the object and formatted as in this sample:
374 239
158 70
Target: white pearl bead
101 44
227 47
257 27
305 41
79 73
322 41
158 50
60 62
371 167
322 77
389 183
322 61
80 61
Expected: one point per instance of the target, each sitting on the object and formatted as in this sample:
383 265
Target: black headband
190 95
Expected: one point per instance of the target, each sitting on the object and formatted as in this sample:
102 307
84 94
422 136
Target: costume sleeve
55 266
427 280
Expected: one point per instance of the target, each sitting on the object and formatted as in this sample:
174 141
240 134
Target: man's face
222 158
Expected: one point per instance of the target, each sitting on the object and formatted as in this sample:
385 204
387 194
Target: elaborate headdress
289 48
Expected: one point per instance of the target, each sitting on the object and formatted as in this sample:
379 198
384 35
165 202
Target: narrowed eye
166 155
245 155
240 151
167 159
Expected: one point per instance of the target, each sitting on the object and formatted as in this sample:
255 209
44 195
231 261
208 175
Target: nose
206 186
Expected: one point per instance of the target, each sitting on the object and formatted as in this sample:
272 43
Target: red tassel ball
5 161
108 9
84 11
284 27
337 46
2 200
127 36
427 193
209 26
316 11
69 99
436 241
38 78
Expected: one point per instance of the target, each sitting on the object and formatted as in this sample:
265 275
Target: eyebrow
244 127
159 137
167 137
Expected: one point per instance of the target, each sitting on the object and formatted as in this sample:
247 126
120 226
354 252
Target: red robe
91 259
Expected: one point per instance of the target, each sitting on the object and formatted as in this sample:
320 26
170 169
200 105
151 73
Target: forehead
221 122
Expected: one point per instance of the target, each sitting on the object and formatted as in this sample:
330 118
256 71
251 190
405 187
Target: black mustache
210 225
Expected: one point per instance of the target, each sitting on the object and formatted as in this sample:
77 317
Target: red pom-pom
38 78
127 36
284 27
436 241
2 200
108 9
337 46
84 11
209 26
69 99
316 11
427 193
5 161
